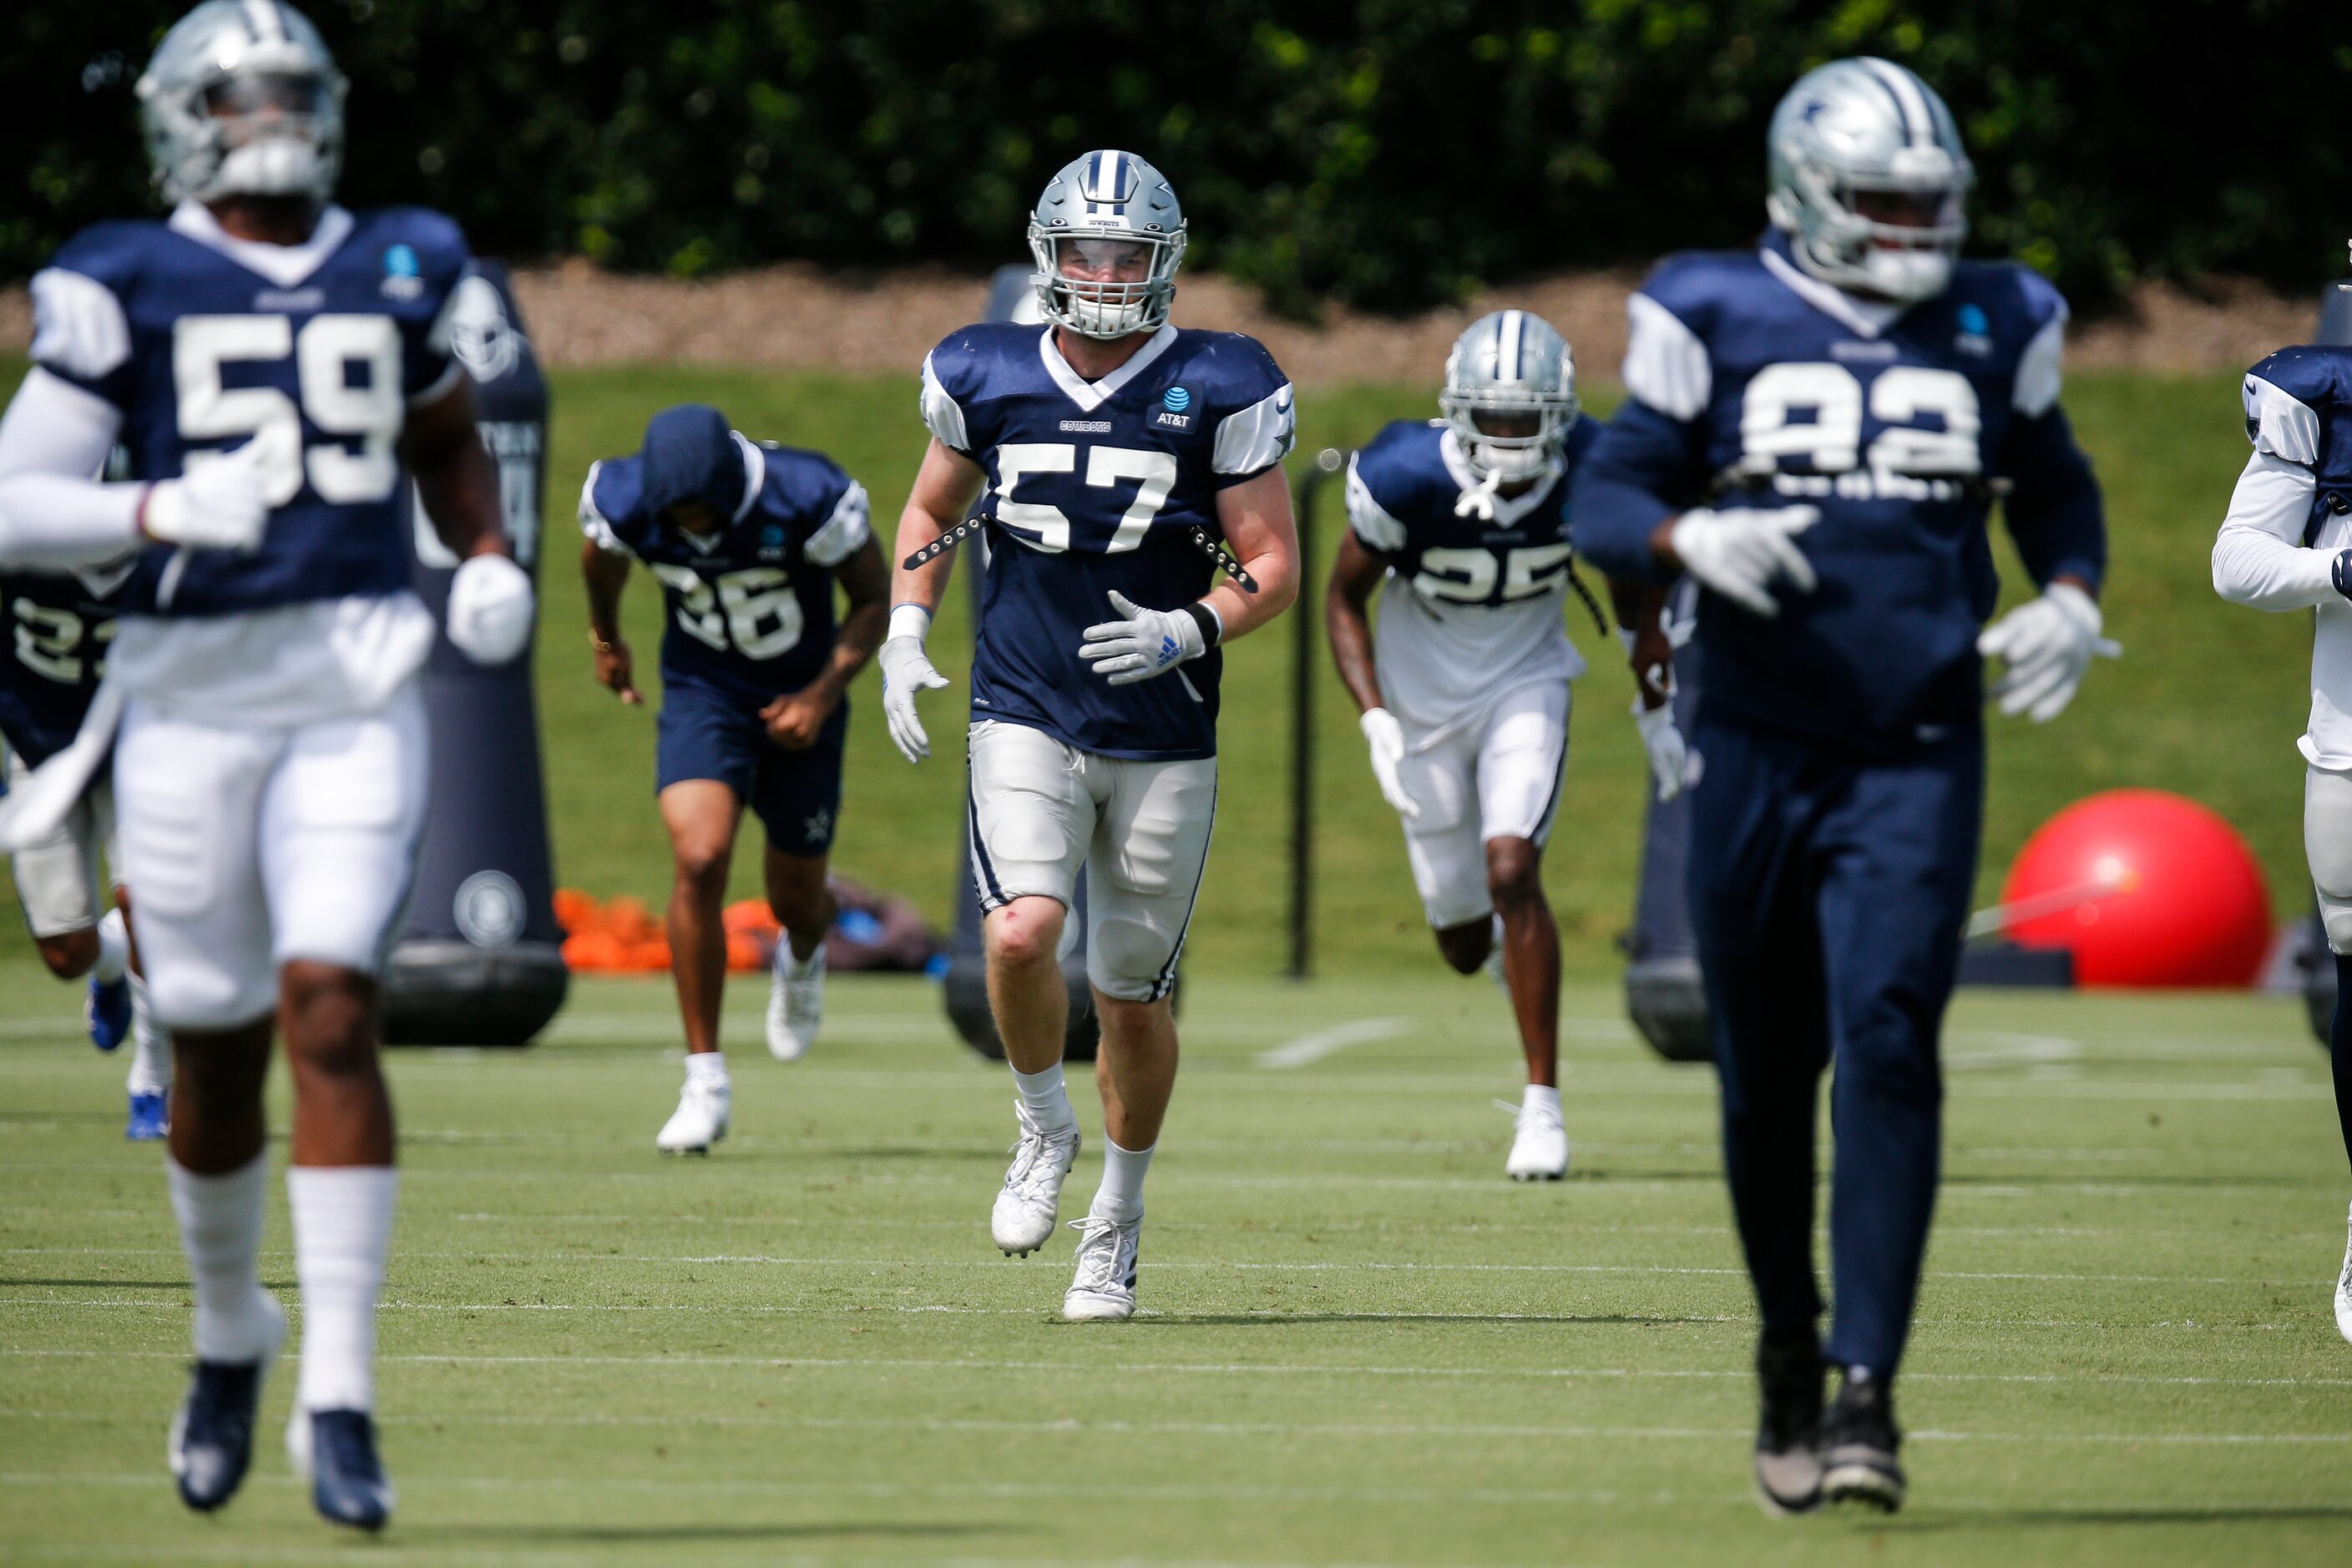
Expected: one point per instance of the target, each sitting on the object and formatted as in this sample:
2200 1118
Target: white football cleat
1539 1146
795 1001
699 1120
2344 1287
1032 1195
1103 1291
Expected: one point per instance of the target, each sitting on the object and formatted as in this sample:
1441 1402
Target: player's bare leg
1531 975
700 814
70 954
218 1174
340 1188
804 904
1031 1005
1136 1070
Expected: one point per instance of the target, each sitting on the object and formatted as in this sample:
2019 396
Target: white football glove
1739 550
1385 736
219 504
1147 643
2048 643
491 608
907 670
1672 762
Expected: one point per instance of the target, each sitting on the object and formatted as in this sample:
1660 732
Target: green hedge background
1391 153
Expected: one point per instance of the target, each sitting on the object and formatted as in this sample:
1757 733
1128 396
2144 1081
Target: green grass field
1361 1344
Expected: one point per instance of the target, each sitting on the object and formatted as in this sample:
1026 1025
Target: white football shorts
56 875
1492 777
2328 845
1041 810
248 846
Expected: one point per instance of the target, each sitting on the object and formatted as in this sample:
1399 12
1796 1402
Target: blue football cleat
108 1010
211 1434
336 1450
149 1116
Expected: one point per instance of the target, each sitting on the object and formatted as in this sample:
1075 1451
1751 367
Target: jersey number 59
323 353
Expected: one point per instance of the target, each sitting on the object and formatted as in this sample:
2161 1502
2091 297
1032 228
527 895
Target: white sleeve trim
844 533
592 521
78 324
1369 518
1257 436
2041 369
2279 424
2259 559
941 413
1666 366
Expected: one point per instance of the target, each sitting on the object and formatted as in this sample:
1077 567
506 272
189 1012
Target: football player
1123 458
2286 544
1815 431
747 538
58 624
279 369
1464 692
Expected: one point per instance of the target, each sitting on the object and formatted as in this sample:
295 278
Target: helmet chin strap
1478 501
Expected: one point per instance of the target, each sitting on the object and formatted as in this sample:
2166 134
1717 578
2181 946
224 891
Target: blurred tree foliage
1387 152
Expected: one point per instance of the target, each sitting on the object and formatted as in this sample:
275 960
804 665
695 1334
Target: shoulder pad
2287 395
612 503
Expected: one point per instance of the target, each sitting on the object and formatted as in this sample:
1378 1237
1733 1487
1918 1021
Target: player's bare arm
1356 575
794 719
442 447
1262 534
944 486
1640 609
605 574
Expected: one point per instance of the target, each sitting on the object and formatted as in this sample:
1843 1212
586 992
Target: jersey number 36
324 353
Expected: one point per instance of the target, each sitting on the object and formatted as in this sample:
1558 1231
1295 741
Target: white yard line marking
856 1363
1314 1266
1329 1042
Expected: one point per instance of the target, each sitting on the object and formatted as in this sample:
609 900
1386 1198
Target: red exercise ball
2145 888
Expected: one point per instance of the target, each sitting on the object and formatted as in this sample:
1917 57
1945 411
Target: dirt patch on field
803 316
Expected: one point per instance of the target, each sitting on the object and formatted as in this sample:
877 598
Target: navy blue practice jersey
57 625
751 610
1405 494
1754 385
1095 487
204 341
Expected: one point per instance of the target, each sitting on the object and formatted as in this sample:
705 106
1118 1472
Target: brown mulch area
800 315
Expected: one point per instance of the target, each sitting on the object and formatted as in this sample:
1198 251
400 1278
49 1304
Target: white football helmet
1860 127
243 98
1510 362
1108 195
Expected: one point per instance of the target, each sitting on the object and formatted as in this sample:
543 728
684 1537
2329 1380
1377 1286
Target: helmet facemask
1105 283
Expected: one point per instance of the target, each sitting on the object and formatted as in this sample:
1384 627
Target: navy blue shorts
703 734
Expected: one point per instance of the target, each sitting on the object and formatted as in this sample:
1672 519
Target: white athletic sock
342 1225
220 1230
1120 1196
1048 1102
706 1067
113 949
1542 1094
151 1048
